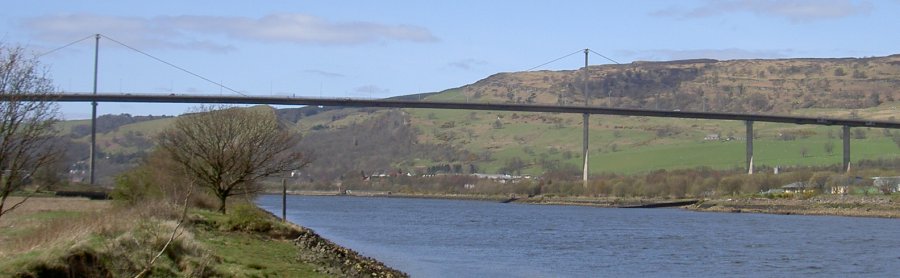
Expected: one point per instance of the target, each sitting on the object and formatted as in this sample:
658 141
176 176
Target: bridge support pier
584 150
587 103
846 137
749 135
94 110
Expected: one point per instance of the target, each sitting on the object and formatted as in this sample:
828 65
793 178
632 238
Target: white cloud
301 28
793 10
467 64
140 32
206 32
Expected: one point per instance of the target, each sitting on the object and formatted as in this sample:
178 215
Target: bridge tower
94 110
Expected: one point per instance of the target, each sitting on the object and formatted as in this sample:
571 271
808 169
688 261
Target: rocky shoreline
333 259
339 261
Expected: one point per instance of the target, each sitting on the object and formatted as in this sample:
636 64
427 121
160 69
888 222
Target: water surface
453 238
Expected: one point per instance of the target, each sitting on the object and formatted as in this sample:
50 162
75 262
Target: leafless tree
228 149
27 130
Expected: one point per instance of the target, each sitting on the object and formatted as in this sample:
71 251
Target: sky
376 49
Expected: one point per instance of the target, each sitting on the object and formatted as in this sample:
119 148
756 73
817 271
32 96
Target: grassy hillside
535 143
639 144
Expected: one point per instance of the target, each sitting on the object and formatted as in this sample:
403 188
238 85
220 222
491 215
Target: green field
633 145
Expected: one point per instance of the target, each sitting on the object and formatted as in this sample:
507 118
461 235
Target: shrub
135 186
157 179
246 217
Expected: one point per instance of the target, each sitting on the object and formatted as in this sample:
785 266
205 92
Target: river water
453 238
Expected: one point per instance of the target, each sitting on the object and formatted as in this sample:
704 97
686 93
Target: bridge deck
350 102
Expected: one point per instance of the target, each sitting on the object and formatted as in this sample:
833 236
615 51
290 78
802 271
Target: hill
356 142
533 143
778 86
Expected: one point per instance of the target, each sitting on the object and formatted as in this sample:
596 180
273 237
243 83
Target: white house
893 183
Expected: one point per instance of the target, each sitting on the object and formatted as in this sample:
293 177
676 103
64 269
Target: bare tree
27 133
228 149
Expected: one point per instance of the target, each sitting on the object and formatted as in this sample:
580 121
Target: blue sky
376 49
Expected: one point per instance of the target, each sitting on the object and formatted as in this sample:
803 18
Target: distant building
840 189
502 178
891 184
844 187
711 137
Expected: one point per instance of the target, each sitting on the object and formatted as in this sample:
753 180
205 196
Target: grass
250 254
41 211
39 237
630 144
41 230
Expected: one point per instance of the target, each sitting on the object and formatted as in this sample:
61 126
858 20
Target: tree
859 133
228 149
874 99
839 72
27 135
514 166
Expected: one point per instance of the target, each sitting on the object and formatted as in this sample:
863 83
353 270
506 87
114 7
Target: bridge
585 110
398 103
748 119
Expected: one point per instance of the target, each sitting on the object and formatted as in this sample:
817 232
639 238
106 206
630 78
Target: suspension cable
557 59
64 46
604 56
173 65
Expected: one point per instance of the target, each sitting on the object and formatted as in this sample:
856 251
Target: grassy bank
52 237
836 205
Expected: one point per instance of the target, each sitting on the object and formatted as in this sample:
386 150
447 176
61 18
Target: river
455 238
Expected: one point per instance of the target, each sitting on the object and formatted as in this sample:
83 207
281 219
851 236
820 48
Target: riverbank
605 202
52 237
835 205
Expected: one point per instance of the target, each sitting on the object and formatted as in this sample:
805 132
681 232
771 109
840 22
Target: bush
157 179
135 186
247 218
